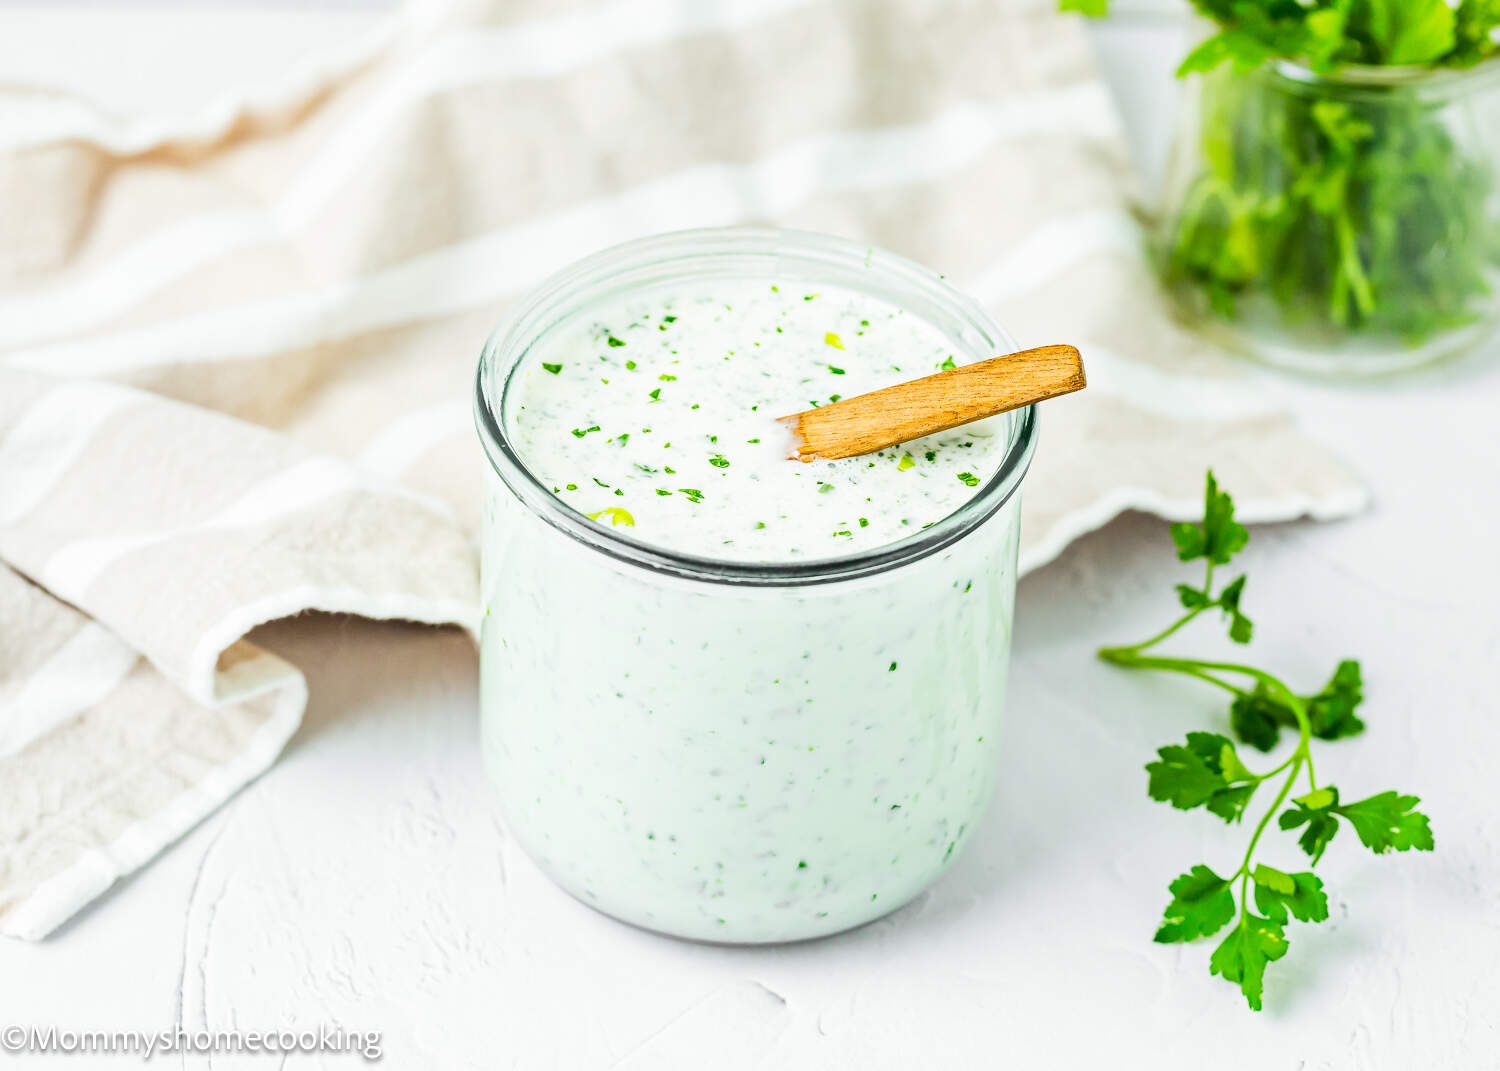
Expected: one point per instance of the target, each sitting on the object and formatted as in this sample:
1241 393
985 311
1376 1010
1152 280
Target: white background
367 880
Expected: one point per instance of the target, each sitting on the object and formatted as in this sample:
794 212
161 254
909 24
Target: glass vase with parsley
1331 203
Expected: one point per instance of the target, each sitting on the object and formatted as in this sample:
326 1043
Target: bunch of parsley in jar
1331 203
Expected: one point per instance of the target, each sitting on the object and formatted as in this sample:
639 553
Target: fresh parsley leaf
1201 904
1242 957
1278 894
1241 50
1256 718
1331 711
1313 811
1474 30
1383 822
1192 598
1411 32
1229 602
1219 536
1204 773
1388 820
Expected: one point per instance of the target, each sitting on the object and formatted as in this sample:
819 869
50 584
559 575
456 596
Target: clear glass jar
1341 224
729 751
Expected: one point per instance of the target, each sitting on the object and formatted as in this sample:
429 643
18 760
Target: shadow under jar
742 747
1341 224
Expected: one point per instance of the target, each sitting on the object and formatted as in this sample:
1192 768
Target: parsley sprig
1207 772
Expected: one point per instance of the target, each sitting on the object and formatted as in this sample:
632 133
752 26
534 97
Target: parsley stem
1131 658
1286 787
1203 675
1179 623
1154 640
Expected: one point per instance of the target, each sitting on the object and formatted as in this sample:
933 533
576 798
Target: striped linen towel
236 349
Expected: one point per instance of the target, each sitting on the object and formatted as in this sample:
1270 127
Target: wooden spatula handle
907 411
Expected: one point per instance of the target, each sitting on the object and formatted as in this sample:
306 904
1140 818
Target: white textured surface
366 879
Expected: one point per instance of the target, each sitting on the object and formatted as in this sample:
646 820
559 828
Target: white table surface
367 880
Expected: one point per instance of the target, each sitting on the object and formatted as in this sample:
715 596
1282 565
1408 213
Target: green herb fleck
616 515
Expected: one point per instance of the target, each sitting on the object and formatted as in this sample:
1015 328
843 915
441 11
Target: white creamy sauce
714 760
658 414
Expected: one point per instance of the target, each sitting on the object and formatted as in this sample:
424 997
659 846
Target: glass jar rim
690 249
1357 76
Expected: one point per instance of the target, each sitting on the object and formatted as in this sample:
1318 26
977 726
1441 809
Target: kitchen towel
236 348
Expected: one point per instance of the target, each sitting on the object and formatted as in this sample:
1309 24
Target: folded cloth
236 350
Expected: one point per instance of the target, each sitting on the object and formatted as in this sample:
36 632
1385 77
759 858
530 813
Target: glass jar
730 751
1340 224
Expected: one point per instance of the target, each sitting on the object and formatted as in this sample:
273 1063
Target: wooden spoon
907 411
